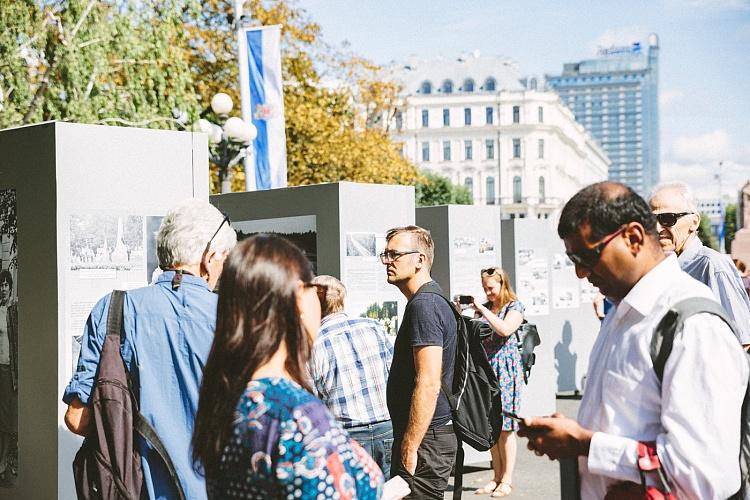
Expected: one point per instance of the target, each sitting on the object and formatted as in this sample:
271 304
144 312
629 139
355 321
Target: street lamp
229 140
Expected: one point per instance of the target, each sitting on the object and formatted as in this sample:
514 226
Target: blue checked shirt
351 359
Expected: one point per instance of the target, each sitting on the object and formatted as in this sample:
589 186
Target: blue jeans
377 440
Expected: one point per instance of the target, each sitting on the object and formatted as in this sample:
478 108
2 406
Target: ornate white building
472 120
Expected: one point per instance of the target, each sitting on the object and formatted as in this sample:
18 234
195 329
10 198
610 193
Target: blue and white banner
263 102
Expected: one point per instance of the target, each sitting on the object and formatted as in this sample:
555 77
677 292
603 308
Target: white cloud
701 177
624 35
668 98
711 147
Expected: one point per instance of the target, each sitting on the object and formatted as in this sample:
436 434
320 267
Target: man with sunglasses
168 329
691 419
424 445
677 221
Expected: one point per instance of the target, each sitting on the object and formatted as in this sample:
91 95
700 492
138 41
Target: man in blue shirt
168 329
677 222
349 365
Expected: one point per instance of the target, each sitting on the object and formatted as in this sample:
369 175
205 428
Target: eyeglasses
320 289
589 257
393 255
225 220
669 219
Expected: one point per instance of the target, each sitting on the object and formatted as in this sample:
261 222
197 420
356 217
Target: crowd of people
267 389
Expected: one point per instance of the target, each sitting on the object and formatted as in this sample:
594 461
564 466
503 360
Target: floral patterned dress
505 360
286 444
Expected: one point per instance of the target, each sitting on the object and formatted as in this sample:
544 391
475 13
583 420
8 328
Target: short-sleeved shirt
168 335
286 444
428 321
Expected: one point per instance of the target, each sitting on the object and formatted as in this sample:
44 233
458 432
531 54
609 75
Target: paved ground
534 478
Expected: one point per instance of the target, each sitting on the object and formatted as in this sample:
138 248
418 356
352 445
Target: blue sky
704 58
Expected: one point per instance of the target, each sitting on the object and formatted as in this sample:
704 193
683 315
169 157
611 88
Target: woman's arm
503 327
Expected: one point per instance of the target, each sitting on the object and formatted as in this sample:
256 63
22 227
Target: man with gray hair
678 220
349 365
168 329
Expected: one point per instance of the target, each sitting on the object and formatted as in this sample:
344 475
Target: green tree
95 61
705 234
730 226
433 189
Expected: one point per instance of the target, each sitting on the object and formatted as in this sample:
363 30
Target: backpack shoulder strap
672 322
114 315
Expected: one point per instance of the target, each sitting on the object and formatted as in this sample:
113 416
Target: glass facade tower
616 97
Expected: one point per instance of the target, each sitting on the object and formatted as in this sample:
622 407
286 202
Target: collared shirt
351 359
695 420
168 335
718 272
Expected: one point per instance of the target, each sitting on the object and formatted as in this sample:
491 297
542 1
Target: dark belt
366 425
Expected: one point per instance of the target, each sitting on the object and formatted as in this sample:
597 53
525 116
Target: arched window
542 193
468 85
517 189
490 84
426 87
447 87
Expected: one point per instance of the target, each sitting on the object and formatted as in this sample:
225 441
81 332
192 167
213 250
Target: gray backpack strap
672 322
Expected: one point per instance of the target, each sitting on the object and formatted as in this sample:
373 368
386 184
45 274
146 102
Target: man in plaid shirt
350 362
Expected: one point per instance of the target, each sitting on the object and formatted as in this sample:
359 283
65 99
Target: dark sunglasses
491 271
589 257
669 219
320 289
393 255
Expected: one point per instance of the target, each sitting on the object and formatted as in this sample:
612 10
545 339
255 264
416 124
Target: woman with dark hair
504 313
259 432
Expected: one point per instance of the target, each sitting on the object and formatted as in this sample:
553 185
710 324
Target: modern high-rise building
472 120
616 97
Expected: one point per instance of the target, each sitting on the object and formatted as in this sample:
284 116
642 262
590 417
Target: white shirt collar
646 292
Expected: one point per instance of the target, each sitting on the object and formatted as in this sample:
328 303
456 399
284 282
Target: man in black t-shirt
424 444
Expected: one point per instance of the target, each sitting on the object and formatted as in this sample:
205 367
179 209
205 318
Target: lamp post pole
229 140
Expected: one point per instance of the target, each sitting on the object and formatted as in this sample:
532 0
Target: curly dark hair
605 207
6 277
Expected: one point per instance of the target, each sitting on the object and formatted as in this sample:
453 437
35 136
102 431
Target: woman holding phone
504 313
259 432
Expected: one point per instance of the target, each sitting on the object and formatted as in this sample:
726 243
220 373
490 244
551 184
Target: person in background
744 274
168 328
504 313
678 221
259 432
8 380
351 359
424 448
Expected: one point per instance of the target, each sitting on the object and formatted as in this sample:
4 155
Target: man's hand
409 459
556 436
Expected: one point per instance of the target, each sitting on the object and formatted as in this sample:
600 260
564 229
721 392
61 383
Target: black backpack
527 337
474 398
108 465
661 348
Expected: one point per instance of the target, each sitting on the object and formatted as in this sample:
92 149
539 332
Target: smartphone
513 416
465 299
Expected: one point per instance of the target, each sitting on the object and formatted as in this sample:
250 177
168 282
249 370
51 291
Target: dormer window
426 88
490 84
447 87
468 85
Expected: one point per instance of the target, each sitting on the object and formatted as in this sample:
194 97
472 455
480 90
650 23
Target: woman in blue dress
504 313
259 432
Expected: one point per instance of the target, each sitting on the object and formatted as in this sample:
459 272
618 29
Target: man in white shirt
694 415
